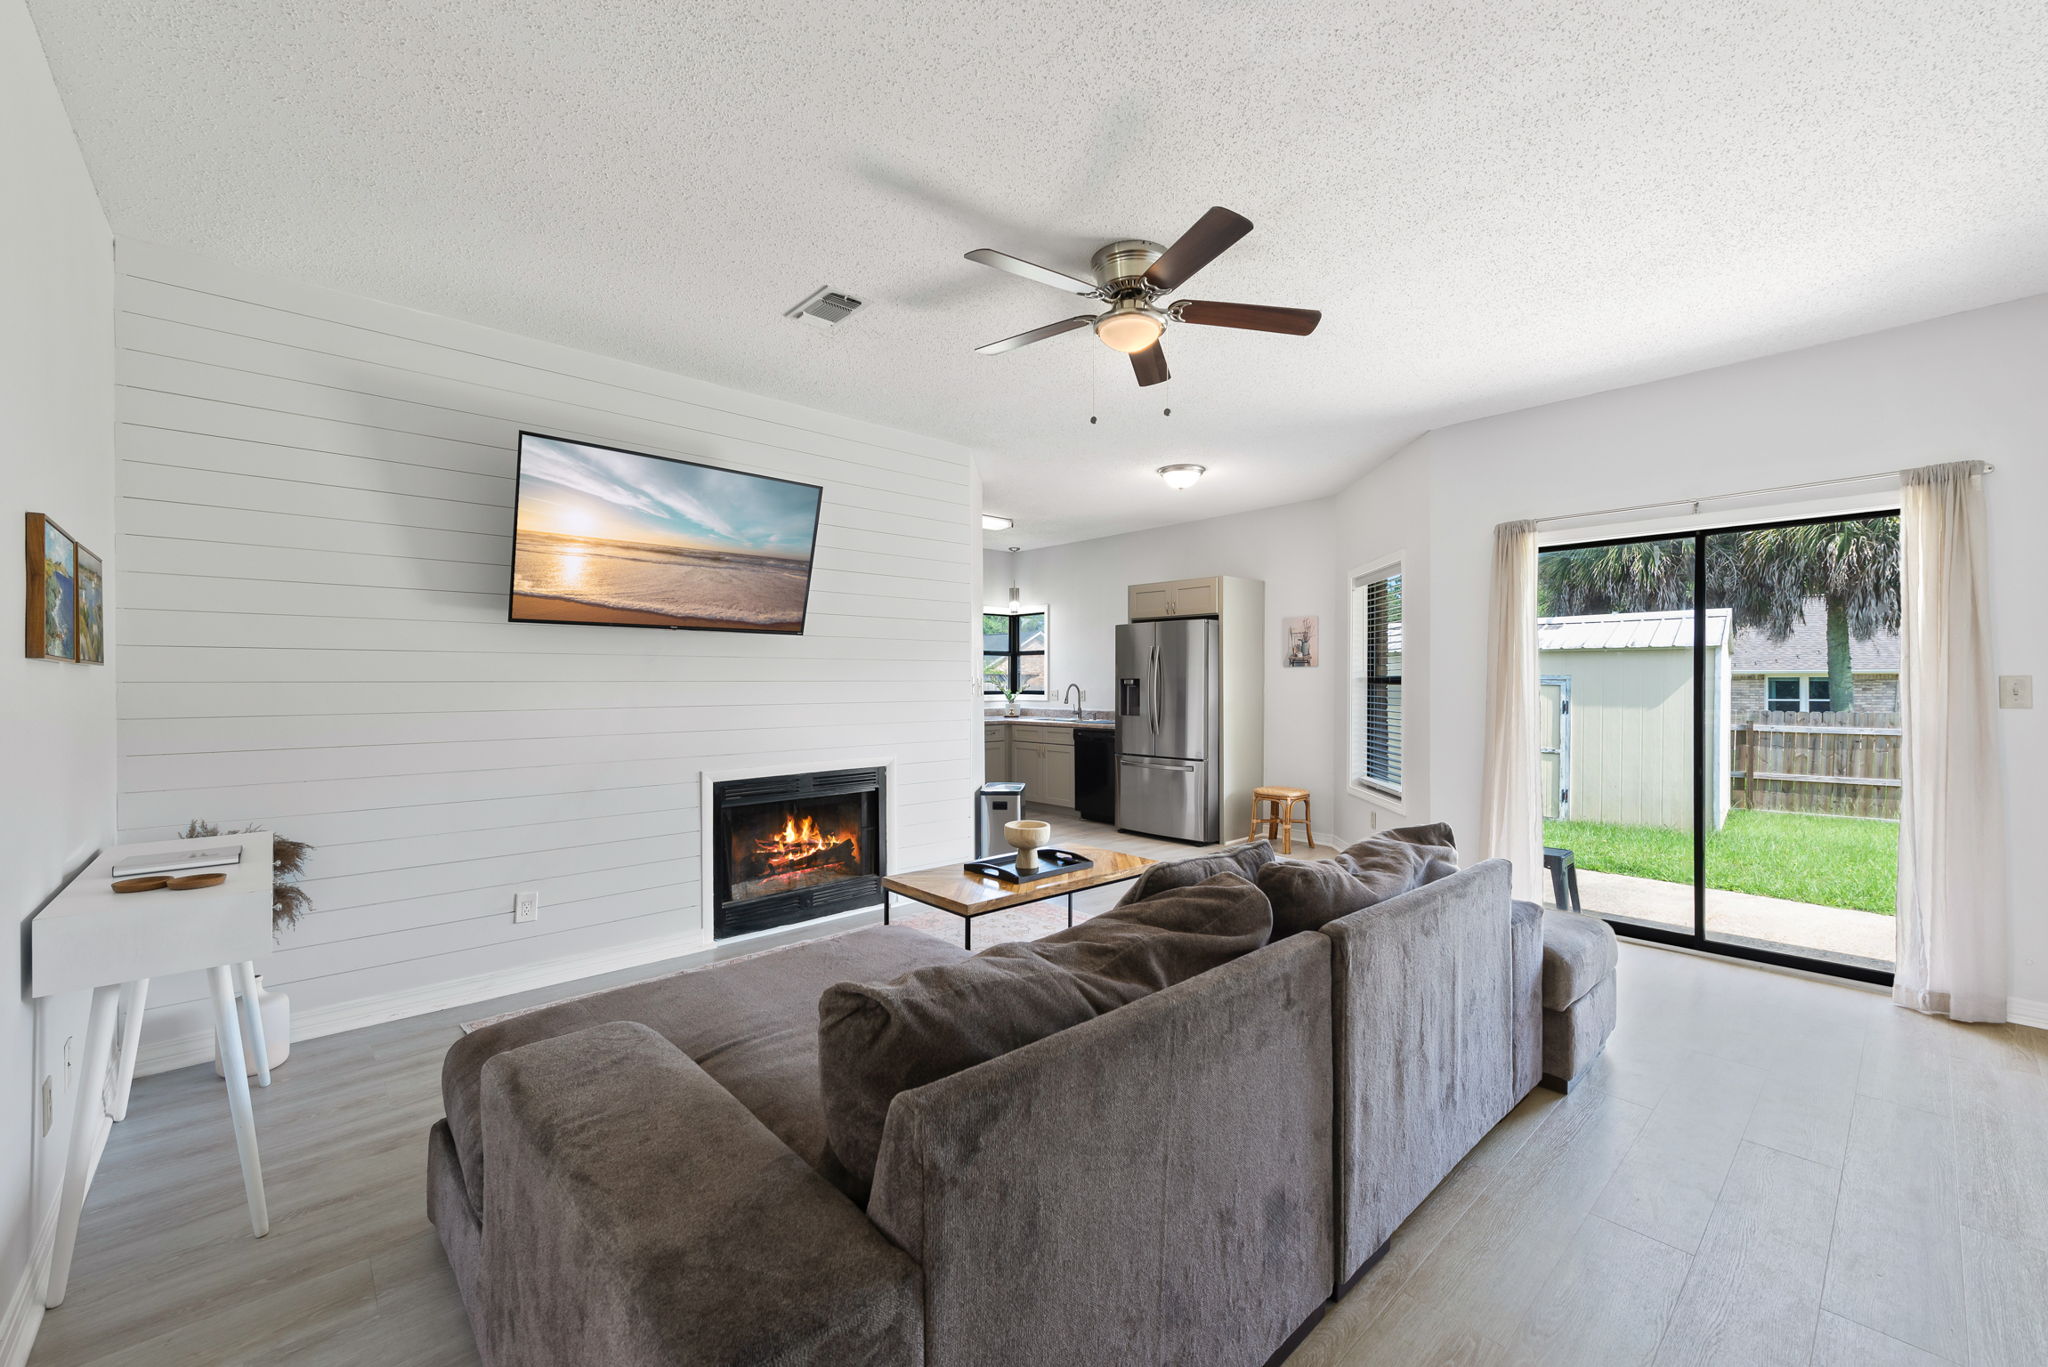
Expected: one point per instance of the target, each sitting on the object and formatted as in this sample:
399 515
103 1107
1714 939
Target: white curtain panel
1951 922
1510 818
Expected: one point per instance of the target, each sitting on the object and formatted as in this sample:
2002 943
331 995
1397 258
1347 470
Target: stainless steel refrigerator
1169 729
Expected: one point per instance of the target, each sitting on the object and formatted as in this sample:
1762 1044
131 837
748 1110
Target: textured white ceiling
1494 204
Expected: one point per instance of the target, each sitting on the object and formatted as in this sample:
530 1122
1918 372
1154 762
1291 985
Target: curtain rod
1694 503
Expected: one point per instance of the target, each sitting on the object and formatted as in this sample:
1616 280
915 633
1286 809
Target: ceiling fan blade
1255 317
1214 233
1150 365
1079 320
1030 270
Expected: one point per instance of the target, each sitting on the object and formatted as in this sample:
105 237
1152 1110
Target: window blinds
1376 710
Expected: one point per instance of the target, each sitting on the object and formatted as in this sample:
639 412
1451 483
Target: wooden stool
1273 816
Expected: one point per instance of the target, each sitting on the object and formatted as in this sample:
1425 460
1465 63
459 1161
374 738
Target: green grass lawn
1830 861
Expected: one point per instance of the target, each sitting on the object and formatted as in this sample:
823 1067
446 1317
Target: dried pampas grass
288 901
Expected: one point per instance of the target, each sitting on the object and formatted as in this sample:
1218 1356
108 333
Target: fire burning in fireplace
781 847
800 844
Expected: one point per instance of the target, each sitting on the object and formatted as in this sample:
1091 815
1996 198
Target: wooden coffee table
968 895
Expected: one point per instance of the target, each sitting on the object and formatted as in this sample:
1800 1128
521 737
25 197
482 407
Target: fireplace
795 846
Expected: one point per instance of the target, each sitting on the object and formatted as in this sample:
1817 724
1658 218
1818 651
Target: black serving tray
1052 862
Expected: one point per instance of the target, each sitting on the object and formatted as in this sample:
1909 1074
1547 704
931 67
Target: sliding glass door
1615 643
1720 758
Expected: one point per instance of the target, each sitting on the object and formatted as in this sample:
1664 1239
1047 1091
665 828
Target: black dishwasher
1095 773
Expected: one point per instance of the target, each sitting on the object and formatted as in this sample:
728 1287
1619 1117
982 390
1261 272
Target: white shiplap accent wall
315 527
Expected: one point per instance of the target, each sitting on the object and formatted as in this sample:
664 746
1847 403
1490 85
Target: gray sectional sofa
1090 1150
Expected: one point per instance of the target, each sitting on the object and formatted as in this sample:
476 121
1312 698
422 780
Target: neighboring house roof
1805 651
1629 631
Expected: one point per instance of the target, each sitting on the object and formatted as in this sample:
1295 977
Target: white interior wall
1380 518
56 720
1966 386
316 498
1082 585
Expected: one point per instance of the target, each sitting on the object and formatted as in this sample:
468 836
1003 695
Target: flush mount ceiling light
1181 476
991 523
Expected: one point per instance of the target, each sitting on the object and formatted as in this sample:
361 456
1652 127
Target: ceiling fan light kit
1181 476
1130 327
1131 275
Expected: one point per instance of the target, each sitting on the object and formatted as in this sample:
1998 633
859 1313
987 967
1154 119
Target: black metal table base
967 922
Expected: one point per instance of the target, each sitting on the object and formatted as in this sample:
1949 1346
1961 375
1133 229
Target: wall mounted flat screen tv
618 538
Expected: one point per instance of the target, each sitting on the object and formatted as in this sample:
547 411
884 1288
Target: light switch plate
2015 690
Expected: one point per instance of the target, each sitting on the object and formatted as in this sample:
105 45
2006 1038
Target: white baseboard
157 1055
22 1316
2021 1011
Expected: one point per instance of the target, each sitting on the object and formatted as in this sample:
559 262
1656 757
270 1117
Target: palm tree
1766 577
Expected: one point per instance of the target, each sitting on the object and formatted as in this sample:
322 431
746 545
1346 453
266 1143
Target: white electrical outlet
2015 690
526 906
49 1103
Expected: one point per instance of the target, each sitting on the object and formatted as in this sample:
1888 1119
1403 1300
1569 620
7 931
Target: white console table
91 937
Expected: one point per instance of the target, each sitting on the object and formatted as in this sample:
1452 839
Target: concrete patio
1835 933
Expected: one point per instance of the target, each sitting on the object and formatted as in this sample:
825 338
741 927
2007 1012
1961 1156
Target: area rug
997 927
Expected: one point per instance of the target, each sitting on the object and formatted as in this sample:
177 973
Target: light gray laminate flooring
1763 1170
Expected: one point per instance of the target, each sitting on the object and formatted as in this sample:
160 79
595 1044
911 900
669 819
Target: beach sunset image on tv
616 538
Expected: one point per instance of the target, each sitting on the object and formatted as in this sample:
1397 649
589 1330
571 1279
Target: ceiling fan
1132 276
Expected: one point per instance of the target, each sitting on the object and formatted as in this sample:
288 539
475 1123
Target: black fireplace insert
794 847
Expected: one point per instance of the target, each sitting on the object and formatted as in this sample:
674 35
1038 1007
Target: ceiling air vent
824 309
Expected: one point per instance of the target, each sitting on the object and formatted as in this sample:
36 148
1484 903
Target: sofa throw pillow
878 1039
1243 860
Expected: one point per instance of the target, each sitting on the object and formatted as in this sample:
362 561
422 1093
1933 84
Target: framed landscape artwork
52 607
1298 642
92 609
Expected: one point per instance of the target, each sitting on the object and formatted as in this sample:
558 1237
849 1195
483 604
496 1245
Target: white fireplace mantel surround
706 864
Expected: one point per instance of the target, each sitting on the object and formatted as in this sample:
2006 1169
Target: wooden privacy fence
1832 763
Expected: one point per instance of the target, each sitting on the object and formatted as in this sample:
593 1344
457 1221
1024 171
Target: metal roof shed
1617 692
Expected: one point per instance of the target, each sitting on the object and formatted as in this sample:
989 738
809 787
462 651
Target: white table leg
133 996
245 981
85 1116
229 1031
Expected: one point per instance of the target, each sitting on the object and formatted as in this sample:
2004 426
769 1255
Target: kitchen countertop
1092 723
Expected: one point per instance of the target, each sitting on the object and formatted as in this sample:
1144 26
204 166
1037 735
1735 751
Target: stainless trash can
995 804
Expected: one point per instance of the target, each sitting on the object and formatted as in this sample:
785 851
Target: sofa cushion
1309 894
1579 953
1436 833
752 1025
1391 867
876 1039
1243 860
